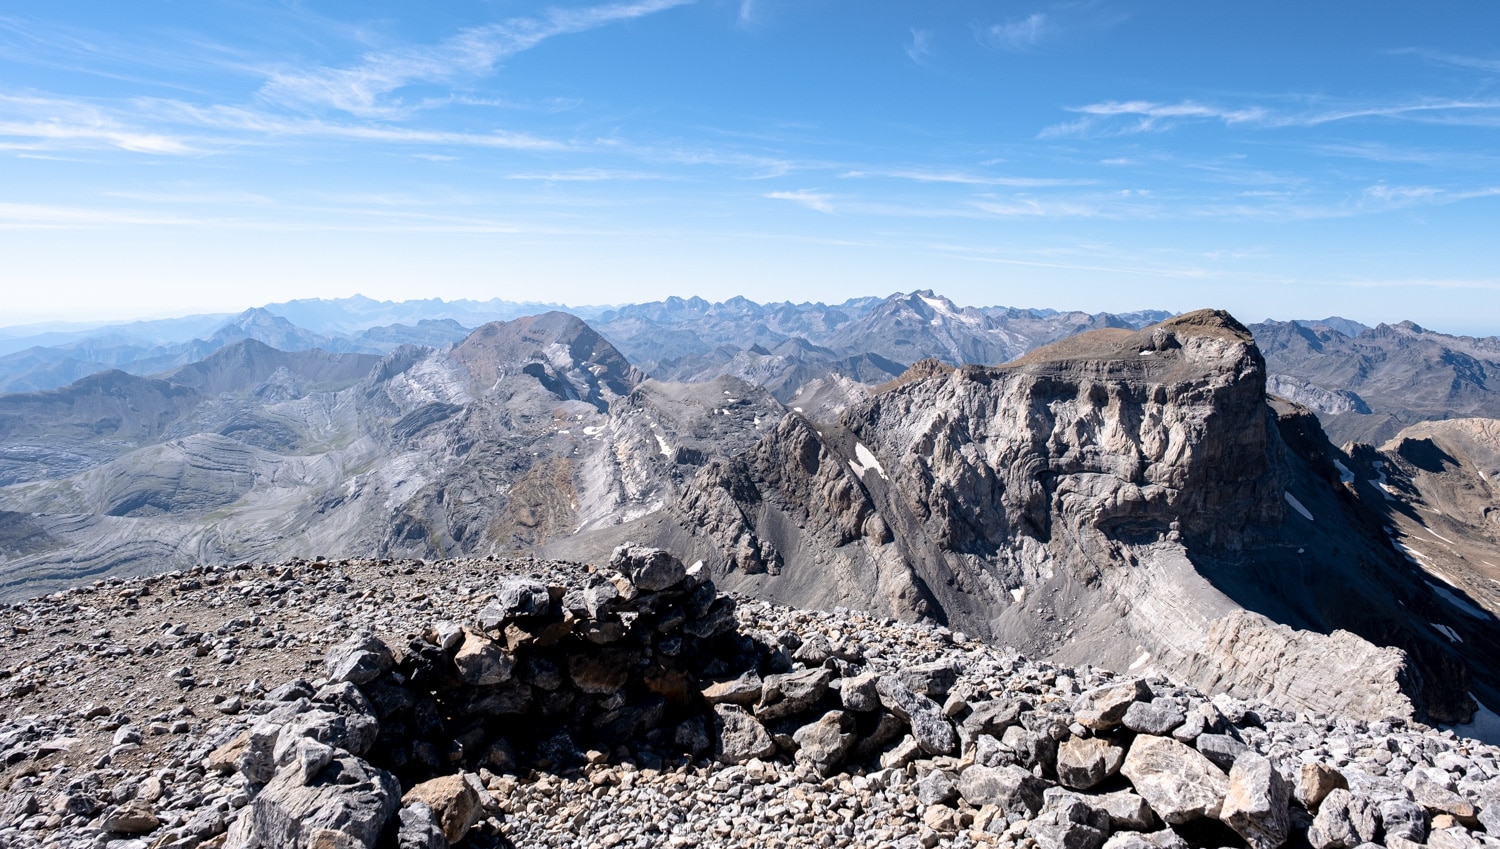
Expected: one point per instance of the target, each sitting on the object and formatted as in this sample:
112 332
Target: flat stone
1084 762
1012 789
1431 788
453 800
1103 708
1179 783
1221 749
133 817
741 736
744 690
792 692
1159 717
1315 781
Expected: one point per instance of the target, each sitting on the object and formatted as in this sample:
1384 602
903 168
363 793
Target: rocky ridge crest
743 724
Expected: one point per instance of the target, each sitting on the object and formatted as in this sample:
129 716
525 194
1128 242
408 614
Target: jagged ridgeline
1128 497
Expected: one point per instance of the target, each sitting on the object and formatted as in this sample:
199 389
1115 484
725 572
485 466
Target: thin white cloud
747 11
1016 35
1025 207
967 179
365 89
1117 117
52 123
920 46
812 200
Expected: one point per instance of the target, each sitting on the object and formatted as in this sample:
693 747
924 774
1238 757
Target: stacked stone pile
635 706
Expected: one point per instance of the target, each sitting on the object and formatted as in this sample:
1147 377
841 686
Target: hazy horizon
1272 160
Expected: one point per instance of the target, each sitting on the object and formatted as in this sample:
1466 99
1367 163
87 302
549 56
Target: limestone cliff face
1111 497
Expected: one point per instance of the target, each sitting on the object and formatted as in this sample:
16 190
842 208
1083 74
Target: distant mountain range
1129 493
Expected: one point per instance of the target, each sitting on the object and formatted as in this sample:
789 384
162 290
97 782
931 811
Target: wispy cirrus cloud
1017 35
963 178
816 201
1124 117
920 45
367 89
44 123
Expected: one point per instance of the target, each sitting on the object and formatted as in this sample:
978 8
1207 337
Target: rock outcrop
1120 496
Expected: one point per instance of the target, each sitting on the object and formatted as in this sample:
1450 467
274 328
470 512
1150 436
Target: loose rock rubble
518 703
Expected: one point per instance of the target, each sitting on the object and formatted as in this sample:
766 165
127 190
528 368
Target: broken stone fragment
932 730
453 800
823 744
481 661
741 736
1257 804
650 569
1315 781
1084 762
133 817
1179 783
359 659
1103 708
1012 789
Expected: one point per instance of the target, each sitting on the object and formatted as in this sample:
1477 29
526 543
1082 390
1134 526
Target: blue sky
1276 159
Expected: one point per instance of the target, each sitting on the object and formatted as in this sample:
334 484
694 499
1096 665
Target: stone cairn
646 662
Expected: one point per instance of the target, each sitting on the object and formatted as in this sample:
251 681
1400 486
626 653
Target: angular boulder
1257 805
1178 782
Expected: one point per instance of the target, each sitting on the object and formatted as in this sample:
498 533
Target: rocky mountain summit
1127 498
527 703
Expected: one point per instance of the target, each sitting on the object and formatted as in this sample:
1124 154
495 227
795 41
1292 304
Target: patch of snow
866 462
798 409
1451 634
942 309
1147 353
1411 553
1297 505
1345 476
1457 602
1141 661
564 431
1438 535
1485 725
1379 482
591 430
757 422
1019 594
666 450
